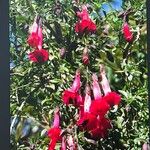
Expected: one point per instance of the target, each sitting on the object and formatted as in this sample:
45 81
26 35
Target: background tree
36 89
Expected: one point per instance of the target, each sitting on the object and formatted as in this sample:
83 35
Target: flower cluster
92 105
35 40
92 110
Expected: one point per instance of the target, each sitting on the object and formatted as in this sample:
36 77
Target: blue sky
115 4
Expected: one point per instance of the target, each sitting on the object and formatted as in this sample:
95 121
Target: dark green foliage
36 89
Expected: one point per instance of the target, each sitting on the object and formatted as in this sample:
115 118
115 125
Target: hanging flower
127 32
55 131
83 15
112 98
87 121
40 35
96 88
104 81
39 56
63 144
71 96
33 38
85 24
85 56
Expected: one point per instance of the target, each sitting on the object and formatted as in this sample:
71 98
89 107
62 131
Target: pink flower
76 83
127 32
63 144
71 96
55 131
39 56
87 100
40 35
96 88
71 143
35 38
85 56
83 15
104 82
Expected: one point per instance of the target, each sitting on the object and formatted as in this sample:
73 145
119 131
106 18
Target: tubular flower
71 96
39 56
85 56
63 144
40 35
55 131
104 82
87 101
83 15
101 131
87 121
85 24
96 88
127 32
33 38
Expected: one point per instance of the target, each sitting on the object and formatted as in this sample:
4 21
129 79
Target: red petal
39 56
112 98
99 107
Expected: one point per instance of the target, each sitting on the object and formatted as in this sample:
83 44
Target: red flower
99 107
85 26
127 32
39 56
112 98
96 88
87 122
101 131
55 131
71 96
54 135
33 40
